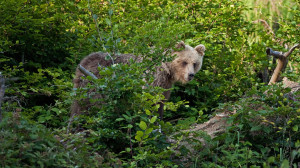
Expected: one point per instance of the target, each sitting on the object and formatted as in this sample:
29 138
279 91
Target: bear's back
94 60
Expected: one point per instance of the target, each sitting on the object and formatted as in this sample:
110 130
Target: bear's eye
184 63
195 65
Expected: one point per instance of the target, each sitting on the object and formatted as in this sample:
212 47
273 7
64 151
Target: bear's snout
191 76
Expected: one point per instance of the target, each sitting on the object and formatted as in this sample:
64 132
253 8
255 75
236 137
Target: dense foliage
41 43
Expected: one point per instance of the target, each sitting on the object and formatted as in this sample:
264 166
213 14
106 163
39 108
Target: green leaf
138 138
139 135
108 22
148 112
295 128
56 110
255 128
143 125
271 159
285 164
153 119
41 119
119 119
240 32
128 149
148 131
297 144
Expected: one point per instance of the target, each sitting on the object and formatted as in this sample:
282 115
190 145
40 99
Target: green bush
128 112
41 43
263 132
27 144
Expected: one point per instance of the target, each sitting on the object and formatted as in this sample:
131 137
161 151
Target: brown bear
183 68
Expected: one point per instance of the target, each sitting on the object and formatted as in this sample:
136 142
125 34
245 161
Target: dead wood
294 86
282 61
215 125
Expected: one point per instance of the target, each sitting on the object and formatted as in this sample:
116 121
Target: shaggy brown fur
182 69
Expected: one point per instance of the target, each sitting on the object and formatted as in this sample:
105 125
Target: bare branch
291 50
282 61
86 72
276 54
281 55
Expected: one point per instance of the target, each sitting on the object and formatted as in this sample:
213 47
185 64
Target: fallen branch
86 72
282 61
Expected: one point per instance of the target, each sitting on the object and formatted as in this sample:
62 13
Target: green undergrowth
25 143
263 132
42 42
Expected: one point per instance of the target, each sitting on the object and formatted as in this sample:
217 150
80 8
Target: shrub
264 132
27 144
128 112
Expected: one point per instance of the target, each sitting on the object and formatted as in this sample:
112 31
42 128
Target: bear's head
187 62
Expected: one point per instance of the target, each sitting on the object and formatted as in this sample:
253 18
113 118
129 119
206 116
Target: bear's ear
180 45
200 49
